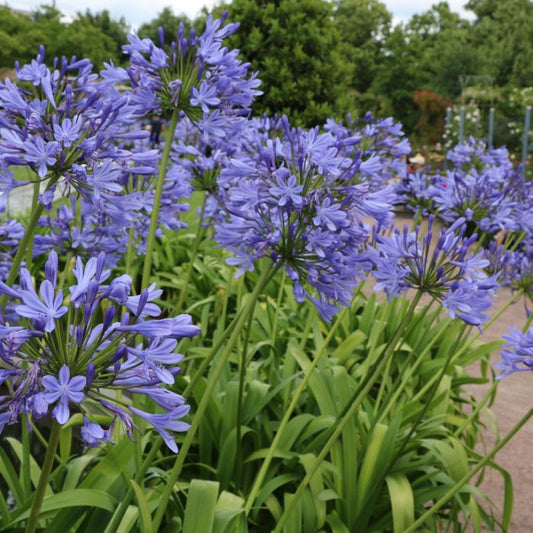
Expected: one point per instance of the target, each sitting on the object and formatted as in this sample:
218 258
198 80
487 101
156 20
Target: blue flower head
75 354
445 269
295 196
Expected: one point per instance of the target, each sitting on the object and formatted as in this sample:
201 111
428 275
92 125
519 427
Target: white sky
138 11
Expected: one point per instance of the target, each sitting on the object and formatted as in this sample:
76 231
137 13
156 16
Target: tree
503 32
95 36
12 26
114 31
363 26
298 52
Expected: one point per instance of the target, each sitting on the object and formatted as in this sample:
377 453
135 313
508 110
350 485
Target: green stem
276 311
218 345
468 344
267 275
286 417
528 323
33 520
24 242
240 397
194 252
25 467
424 409
406 374
220 324
514 298
389 351
34 204
477 409
289 365
129 251
469 475
157 198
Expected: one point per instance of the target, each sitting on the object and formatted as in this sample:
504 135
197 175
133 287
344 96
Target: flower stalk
53 441
194 253
237 326
286 417
157 198
468 476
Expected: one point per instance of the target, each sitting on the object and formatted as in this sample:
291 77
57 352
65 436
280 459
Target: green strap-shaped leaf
229 517
201 504
144 510
348 345
294 523
75 470
73 498
9 475
402 501
128 520
102 477
35 470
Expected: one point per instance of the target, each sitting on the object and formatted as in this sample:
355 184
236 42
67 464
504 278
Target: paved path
513 400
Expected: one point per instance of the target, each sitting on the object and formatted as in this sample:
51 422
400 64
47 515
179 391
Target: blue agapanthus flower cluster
62 123
517 354
482 186
75 352
59 123
85 228
298 200
513 264
196 75
381 141
446 269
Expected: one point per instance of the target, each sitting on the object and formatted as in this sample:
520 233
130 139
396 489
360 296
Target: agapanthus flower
382 145
446 269
517 354
512 263
194 74
101 221
76 136
297 199
66 122
73 355
480 185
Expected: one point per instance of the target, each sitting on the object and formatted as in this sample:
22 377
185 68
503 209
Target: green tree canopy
503 33
96 36
114 31
297 50
364 26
